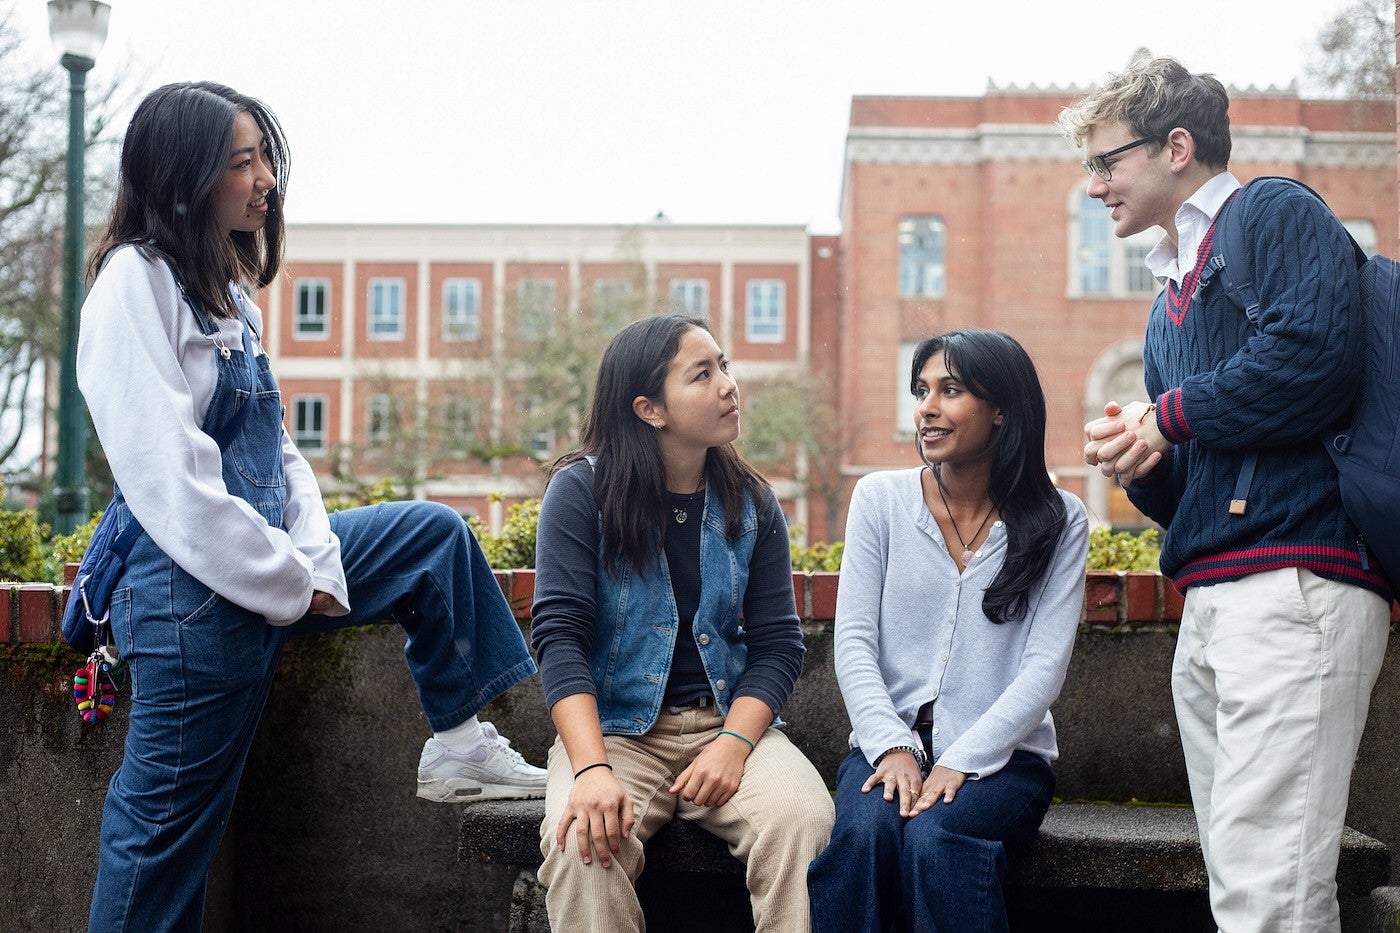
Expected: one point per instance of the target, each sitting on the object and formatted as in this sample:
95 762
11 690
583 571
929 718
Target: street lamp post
78 29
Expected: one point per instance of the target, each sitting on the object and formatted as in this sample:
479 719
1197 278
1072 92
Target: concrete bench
1093 867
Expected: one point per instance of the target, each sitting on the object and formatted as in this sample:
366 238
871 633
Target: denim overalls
200 667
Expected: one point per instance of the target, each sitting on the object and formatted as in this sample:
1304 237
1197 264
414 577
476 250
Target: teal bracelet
741 738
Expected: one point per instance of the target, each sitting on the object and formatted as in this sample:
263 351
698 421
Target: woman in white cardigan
961 590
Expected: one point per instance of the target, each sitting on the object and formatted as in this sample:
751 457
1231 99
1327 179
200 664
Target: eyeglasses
1098 165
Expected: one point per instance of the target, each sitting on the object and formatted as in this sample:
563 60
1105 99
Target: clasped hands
1126 442
900 774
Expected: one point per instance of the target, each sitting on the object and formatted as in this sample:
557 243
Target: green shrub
22 546
1109 550
67 549
819 556
382 490
514 547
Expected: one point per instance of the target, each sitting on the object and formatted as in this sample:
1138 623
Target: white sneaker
491 771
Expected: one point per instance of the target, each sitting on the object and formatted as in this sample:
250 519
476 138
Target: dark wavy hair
175 153
629 479
997 369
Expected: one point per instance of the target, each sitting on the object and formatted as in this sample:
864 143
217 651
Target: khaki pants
776 823
1272 681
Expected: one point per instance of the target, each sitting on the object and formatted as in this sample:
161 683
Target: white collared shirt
1193 219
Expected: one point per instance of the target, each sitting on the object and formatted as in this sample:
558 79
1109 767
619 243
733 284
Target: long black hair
629 479
175 152
997 369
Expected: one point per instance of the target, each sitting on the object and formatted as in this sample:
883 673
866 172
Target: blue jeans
940 871
200 669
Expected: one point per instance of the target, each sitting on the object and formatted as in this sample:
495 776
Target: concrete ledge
1080 846
1385 910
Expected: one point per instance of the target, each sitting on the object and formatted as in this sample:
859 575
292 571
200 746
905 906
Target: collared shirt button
935 730
704 639
719 685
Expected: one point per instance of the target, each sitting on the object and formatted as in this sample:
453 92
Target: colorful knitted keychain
95 684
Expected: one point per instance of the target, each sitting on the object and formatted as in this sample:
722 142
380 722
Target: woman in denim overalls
238 552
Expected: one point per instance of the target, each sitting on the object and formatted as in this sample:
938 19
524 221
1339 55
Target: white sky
484 111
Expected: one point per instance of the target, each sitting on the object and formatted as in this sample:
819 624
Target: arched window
1101 264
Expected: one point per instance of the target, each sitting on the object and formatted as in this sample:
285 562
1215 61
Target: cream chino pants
776 823
1272 681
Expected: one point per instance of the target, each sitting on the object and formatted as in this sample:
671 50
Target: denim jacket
622 625
631 672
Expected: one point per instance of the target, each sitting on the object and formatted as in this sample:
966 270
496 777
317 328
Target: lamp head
78 27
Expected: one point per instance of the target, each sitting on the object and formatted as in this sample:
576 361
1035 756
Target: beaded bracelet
918 753
741 738
596 764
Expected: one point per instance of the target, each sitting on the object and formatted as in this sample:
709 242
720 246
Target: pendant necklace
680 513
967 554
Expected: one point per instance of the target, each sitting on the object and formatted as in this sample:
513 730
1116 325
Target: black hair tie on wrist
599 764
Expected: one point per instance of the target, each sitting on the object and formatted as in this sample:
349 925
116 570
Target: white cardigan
147 373
909 629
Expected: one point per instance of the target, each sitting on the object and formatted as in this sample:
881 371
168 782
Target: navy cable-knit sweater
1225 387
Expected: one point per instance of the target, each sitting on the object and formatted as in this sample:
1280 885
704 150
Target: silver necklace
967 554
680 512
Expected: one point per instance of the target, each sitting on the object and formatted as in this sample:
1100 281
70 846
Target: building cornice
1030 143
545 243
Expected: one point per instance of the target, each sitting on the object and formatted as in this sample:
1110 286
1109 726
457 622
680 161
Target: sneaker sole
438 792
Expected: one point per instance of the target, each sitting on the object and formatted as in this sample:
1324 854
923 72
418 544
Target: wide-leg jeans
939 871
200 669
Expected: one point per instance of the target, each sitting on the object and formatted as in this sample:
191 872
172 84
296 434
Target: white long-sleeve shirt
909 629
147 373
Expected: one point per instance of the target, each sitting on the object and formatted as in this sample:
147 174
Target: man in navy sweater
1284 625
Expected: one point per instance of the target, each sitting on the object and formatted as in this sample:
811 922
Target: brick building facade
988 193
428 354
956 212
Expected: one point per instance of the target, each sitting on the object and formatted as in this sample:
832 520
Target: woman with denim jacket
962 584
665 631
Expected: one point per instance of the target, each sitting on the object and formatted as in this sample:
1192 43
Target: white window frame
923 256
691 296
386 323
379 418
612 299
1118 262
302 292
461 308
533 312
904 402
304 407
765 310
459 422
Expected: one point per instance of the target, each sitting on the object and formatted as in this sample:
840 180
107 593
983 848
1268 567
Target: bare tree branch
1355 53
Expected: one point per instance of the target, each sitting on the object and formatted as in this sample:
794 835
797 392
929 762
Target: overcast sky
483 111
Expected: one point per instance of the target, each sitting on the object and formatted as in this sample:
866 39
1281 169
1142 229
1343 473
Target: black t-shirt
688 682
